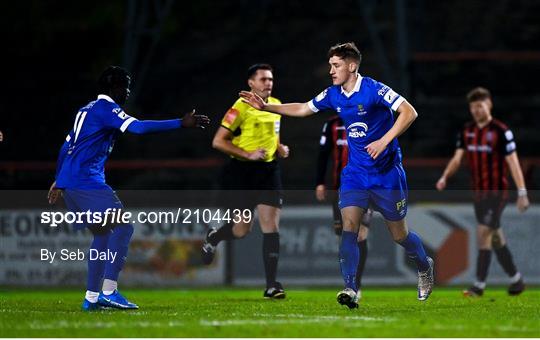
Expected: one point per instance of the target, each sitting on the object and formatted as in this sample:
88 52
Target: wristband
522 192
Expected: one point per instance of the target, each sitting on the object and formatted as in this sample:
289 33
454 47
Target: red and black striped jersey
486 150
333 143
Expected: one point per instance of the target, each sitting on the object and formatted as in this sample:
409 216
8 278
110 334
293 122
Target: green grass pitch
221 312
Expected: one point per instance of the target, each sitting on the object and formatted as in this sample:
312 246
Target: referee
252 178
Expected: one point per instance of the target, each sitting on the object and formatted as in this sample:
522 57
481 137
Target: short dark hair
254 68
113 77
346 51
478 93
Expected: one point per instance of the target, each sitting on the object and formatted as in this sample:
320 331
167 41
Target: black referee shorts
246 184
488 209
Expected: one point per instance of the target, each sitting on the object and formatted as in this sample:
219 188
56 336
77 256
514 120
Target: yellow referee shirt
253 129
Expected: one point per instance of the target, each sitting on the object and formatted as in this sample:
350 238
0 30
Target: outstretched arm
450 169
292 109
141 127
190 120
407 115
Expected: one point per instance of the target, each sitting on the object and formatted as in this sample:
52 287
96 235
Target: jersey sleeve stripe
126 124
397 103
68 138
312 107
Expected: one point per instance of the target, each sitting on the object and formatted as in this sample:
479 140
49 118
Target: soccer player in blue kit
374 173
80 179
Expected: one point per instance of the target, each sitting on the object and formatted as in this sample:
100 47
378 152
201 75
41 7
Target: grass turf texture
244 313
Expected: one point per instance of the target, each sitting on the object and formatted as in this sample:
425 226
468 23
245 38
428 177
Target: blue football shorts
386 192
93 200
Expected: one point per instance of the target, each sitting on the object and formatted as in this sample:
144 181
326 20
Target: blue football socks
96 267
119 244
349 256
415 251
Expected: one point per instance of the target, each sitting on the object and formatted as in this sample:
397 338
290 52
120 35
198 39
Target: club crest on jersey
357 130
361 110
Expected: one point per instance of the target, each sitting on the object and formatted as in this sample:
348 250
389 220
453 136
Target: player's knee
399 238
399 234
496 240
240 230
484 234
349 225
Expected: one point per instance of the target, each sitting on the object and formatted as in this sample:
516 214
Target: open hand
441 184
253 100
320 192
53 193
191 120
522 203
374 149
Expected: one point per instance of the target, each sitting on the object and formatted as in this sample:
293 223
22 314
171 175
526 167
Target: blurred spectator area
186 55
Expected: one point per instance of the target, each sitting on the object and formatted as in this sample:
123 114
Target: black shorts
366 217
488 210
246 184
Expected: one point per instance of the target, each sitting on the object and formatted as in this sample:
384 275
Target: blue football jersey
89 143
367 113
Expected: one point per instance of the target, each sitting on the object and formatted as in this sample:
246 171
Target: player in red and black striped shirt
333 144
491 152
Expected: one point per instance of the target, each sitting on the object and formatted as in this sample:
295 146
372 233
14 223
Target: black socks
270 256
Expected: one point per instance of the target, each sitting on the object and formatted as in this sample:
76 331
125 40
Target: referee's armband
231 119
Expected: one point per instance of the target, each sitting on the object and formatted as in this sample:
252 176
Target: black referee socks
270 257
222 234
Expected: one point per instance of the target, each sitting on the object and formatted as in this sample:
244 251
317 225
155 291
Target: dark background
186 55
